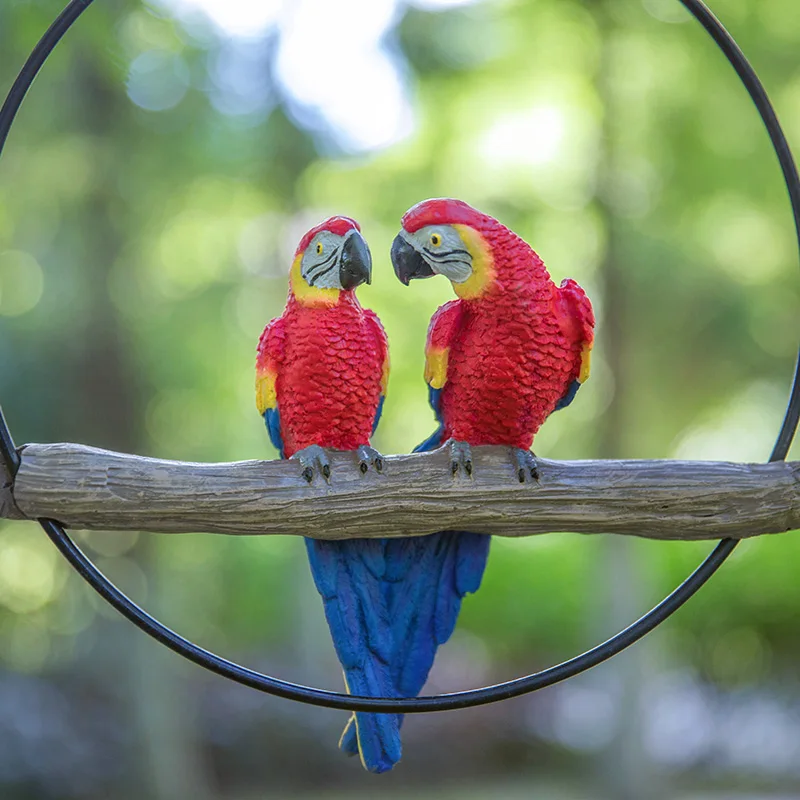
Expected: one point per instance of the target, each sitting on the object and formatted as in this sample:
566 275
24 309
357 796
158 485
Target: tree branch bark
84 487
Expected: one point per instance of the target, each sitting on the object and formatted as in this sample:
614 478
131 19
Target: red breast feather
328 386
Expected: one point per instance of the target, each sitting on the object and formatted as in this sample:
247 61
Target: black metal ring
473 697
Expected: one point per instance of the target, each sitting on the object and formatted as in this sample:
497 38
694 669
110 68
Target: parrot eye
436 239
319 248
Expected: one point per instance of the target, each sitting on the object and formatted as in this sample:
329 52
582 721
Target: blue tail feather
473 551
423 613
377 736
426 579
349 575
448 600
348 743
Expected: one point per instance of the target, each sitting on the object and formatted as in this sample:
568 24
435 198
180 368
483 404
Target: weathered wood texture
84 487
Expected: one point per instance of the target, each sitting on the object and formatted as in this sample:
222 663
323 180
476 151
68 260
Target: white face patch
321 261
443 250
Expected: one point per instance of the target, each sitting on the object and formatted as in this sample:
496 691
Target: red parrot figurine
321 374
512 349
499 360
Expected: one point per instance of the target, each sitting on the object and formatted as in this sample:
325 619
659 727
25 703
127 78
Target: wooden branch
84 487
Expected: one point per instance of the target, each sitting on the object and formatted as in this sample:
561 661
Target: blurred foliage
146 226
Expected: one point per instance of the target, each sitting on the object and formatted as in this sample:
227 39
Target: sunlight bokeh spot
530 138
157 80
441 5
21 283
667 10
245 18
334 64
27 572
332 61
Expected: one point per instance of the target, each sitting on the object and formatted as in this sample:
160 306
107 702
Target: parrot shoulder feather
577 321
268 359
574 311
444 324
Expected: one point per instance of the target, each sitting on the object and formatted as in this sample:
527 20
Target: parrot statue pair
513 348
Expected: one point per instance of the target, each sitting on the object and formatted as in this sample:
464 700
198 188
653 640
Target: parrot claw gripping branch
390 602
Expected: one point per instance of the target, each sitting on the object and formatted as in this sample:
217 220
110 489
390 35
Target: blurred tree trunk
105 383
625 770
166 707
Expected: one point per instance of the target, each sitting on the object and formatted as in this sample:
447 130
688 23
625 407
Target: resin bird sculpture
499 360
321 375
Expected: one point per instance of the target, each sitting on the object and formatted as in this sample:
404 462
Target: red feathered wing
576 317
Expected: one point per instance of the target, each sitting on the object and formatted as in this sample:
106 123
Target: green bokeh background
142 252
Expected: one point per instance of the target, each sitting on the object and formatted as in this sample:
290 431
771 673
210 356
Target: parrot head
448 237
332 257
444 237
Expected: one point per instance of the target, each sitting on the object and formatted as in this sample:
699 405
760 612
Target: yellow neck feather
483 273
309 295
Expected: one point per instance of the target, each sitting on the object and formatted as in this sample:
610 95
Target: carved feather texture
514 350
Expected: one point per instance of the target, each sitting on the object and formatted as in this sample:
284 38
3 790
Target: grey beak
355 265
407 262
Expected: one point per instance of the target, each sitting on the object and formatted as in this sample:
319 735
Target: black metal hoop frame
473 697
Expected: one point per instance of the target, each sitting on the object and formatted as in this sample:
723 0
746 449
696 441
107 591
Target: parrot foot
460 457
369 455
525 462
313 458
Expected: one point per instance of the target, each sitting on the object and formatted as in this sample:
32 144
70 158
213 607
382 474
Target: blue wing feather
272 418
435 400
569 395
378 413
435 439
